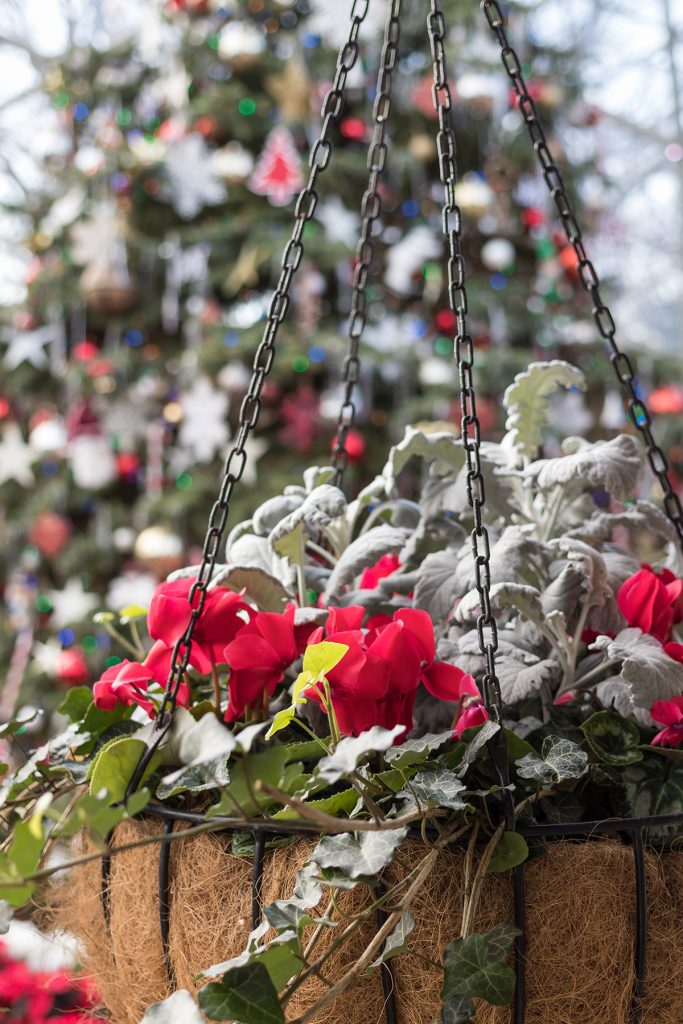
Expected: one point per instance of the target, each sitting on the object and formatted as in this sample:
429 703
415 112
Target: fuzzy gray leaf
526 600
647 669
613 466
361 855
519 681
527 401
365 551
262 589
441 447
436 587
271 512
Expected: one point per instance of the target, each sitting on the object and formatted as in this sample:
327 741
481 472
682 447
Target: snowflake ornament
72 604
277 174
203 429
191 180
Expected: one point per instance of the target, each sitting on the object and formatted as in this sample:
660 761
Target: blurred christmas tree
156 235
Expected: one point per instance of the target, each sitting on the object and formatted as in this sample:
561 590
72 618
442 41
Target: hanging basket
581 915
599 914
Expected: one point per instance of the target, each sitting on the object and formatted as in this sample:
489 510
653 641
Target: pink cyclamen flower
668 713
387 566
125 683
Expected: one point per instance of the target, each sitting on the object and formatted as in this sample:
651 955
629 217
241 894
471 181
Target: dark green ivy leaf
245 995
612 738
474 967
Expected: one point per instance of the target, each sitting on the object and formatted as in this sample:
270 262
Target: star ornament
71 604
16 457
29 347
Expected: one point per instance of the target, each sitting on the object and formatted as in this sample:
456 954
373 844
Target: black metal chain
637 409
263 360
371 207
464 355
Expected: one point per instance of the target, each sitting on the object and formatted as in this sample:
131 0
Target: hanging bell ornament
108 289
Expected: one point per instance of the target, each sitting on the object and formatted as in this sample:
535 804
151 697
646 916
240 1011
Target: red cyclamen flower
260 655
387 566
223 616
652 601
669 713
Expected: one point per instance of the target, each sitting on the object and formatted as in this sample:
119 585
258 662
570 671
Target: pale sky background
632 68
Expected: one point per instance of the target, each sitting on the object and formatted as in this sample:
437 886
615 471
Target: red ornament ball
127 466
355 445
49 533
72 668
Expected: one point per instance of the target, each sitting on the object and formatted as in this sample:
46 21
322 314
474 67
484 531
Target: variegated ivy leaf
359 855
437 788
363 552
475 967
646 670
417 750
527 401
613 466
352 749
560 759
396 943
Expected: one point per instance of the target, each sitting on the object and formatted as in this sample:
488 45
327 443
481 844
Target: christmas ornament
191 179
300 414
291 90
233 163
16 457
28 346
203 428
667 401
71 668
405 259
108 289
47 434
159 549
498 254
422 147
234 377
71 604
474 196
88 450
254 448
340 223
241 43
49 533
131 588
277 174
99 246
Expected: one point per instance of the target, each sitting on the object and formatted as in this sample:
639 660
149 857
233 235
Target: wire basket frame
631 829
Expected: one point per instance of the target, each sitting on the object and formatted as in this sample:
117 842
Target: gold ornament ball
159 550
108 290
422 147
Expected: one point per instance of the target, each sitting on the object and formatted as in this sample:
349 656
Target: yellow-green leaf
131 612
320 659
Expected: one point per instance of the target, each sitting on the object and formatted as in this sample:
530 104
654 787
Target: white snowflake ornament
191 180
71 604
203 429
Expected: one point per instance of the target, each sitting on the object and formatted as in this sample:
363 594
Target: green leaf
527 401
180 1008
437 788
339 804
18 724
359 855
352 749
473 967
246 995
195 779
113 767
267 767
396 943
612 738
560 760
76 703
511 850
21 859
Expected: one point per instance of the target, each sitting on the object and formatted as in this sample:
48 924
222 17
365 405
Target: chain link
464 356
263 360
590 281
371 208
